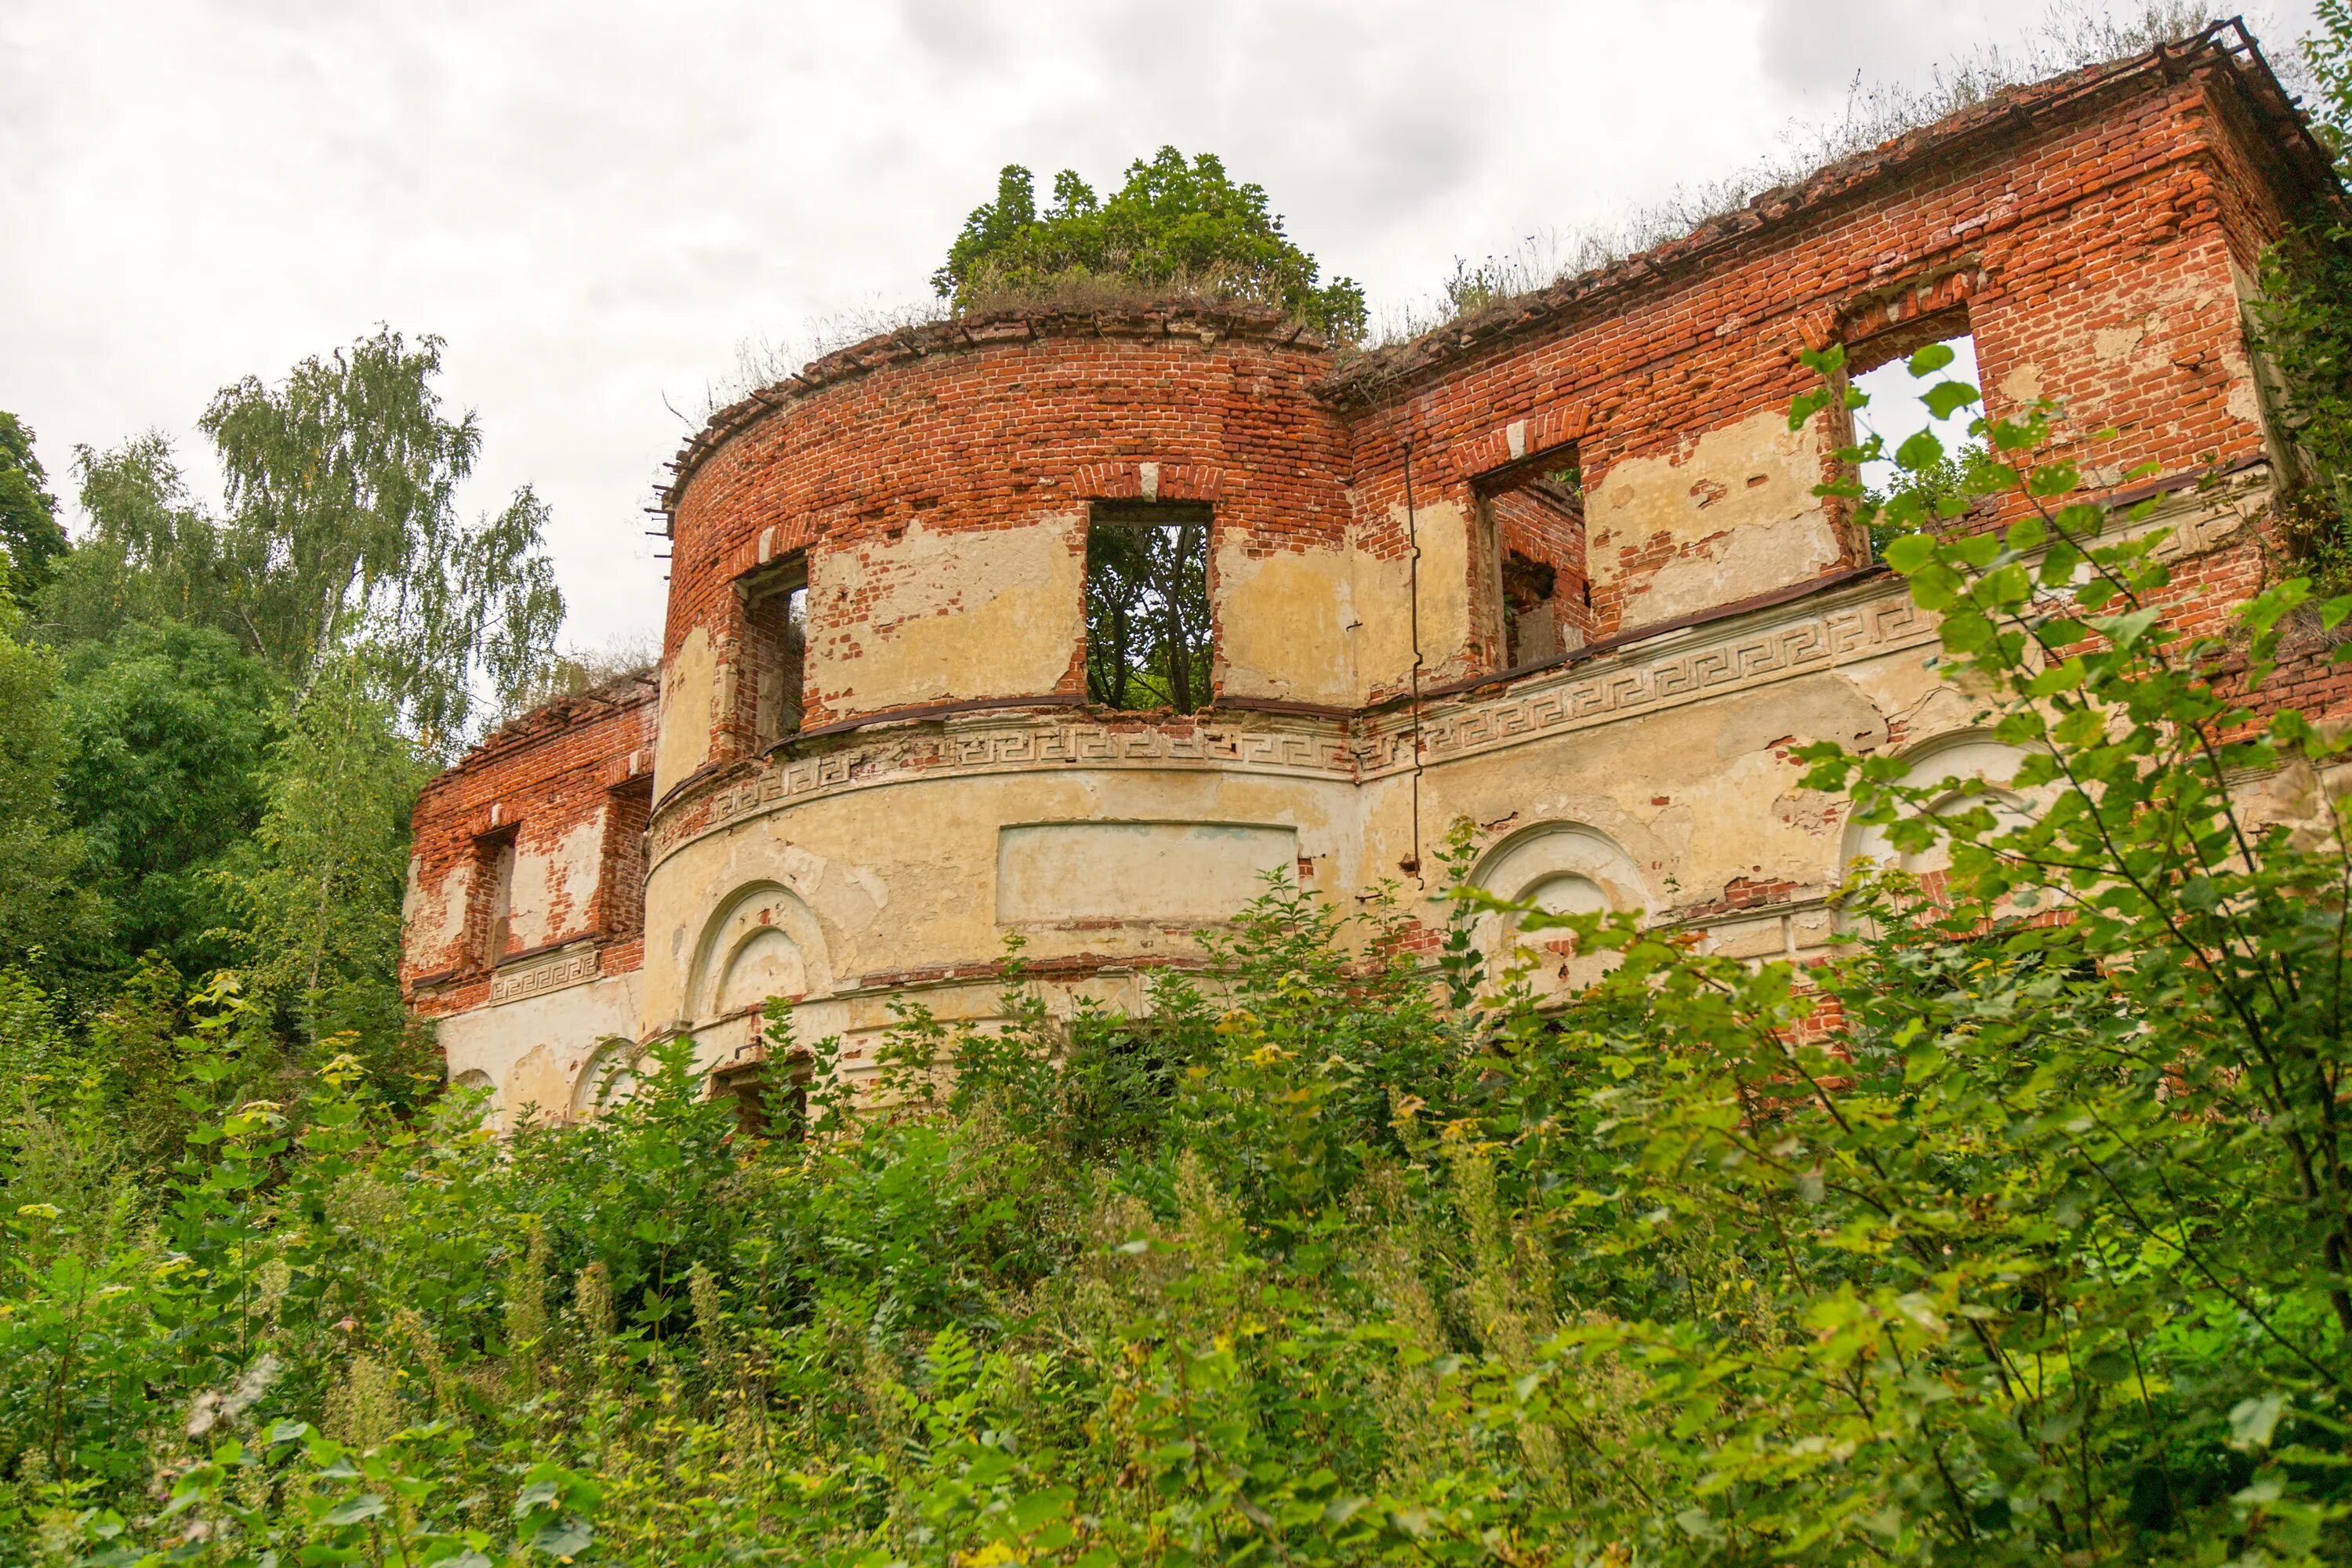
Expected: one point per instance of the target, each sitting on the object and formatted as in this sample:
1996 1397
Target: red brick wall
1538 530
2115 213
539 779
1004 424
2086 229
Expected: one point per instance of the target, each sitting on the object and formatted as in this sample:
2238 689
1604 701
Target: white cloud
595 203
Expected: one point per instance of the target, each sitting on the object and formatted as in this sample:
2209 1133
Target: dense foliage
2303 323
2019 1232
30 536
212 724
340 539
1175 225
1148 615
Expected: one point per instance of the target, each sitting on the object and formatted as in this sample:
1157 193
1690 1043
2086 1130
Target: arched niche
761 941
1561 867
610 1078
1963 769
474 1081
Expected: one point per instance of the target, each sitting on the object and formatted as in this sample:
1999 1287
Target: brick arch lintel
1148 482
1536 433
1889 306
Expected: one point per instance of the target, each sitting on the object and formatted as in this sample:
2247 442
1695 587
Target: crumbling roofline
1181 320
1374 377
527 728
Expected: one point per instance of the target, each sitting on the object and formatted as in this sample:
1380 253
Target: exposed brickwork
2092 233
1000 429
1540 529
2087 240
581 762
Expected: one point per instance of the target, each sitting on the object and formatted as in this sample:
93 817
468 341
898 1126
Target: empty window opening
1541 598
1880 370
771 1101
621 881
775 651
494 875
1148 622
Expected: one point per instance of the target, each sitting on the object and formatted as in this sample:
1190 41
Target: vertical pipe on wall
1412 865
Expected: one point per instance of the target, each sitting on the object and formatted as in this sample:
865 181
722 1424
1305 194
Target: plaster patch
436 920
1736 516
2112 343
1280 624
1754 560
555 889
689 687
1136 871
946 615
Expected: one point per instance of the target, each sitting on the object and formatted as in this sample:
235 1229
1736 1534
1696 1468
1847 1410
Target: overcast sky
597 205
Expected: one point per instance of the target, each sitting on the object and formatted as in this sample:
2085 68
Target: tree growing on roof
1176 224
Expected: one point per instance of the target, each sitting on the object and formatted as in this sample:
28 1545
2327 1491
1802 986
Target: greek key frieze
1574 698
555 973
1622 686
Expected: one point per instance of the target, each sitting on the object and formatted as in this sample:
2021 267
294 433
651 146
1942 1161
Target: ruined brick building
1558 570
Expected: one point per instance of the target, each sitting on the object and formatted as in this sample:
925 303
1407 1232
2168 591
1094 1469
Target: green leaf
1805 405
2055 480
1931 359
1910 552
2252 1421
1825 362
1947 398
568 1539
1919 451
2125 631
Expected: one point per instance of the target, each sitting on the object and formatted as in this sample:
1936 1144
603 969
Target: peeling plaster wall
1735 516
555 885
926 617
1282 625
938 493
689 706
889 908
936 482
533 1050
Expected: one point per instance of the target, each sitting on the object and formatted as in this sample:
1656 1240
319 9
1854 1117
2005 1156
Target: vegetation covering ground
2022 1232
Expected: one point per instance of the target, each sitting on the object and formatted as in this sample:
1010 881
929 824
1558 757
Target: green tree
2303 323
167 728
31 539
1175 224
40 903
339 537
322 907
152 554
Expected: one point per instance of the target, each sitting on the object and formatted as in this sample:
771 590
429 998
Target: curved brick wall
938 483
1386 657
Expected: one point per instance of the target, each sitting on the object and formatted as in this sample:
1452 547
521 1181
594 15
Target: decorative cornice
1701 662
1291 745
574 964
1803 630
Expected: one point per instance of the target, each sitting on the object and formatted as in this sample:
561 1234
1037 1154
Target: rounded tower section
1030 625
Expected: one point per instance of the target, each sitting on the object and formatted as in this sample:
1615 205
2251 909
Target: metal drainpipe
1411 867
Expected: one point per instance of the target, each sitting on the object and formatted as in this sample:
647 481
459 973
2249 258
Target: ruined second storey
1558 570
